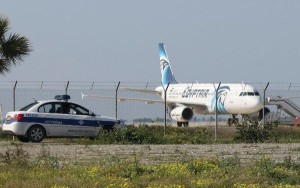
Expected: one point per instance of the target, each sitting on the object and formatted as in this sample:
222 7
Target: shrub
286 172
154 135
254 132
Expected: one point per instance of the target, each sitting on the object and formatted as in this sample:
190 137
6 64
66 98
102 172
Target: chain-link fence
101 99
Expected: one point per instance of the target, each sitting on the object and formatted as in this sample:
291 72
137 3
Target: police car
55 118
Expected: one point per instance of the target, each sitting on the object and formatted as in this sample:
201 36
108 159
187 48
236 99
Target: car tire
23 139
108 128
36 133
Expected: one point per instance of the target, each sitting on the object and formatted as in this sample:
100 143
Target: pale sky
117 40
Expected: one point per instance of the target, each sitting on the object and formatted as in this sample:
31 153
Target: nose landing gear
233 121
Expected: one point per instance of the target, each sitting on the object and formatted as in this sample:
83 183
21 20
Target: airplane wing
140 90
121 99
197 108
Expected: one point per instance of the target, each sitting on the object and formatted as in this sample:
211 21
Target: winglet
83 95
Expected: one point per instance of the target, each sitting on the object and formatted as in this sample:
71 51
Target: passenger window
50 108
47 108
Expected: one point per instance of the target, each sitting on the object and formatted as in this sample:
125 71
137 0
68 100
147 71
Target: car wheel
36 133
108 127
23 139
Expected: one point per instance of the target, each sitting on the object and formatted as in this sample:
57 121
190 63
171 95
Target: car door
53 121
83 123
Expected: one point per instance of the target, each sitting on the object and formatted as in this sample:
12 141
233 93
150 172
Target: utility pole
117 99
216 110
264 98
165 95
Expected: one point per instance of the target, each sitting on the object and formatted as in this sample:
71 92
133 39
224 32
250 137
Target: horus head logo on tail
165 67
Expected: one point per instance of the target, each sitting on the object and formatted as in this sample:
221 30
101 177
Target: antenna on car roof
62 97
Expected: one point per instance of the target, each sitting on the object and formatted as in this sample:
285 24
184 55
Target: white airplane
186 99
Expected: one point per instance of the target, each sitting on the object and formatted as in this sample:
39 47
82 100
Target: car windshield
25 108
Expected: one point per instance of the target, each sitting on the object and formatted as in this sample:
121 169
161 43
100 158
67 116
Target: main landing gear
180 124
233 121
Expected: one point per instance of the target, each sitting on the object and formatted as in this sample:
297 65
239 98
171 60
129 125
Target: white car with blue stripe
55 118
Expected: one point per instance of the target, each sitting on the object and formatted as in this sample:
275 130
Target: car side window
79 110
63 108
46 108
50 108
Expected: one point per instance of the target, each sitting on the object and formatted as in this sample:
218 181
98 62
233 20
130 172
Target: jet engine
258 116
182 114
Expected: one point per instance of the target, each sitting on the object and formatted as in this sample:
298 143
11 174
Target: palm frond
4 66
3 27
15 47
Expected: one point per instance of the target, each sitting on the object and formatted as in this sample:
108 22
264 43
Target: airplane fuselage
231 98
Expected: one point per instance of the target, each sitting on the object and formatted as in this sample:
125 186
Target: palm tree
13 47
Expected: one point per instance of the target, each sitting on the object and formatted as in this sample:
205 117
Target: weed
15 156
113 171
45 159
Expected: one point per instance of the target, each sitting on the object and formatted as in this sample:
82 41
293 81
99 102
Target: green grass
186 135
17 170
48 171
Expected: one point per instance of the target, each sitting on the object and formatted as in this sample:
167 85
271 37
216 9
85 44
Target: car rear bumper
14 129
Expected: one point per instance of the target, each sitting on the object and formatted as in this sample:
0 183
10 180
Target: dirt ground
68 153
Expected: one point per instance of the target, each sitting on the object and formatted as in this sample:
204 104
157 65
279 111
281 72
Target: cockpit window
249 93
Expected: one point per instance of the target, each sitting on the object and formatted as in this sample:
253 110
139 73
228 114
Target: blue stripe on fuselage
62 121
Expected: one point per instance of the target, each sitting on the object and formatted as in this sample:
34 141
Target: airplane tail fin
167 75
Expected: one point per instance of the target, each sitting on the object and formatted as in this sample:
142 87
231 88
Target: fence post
264 98
117 99
165 96
290 86
14 95
66 90
92 85
216 110
14 100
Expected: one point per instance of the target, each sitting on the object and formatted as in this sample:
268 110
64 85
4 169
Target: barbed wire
25 91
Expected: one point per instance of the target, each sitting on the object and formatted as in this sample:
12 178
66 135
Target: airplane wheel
179 124
235 121
185 124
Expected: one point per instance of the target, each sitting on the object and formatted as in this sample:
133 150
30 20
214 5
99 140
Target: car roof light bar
62 97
